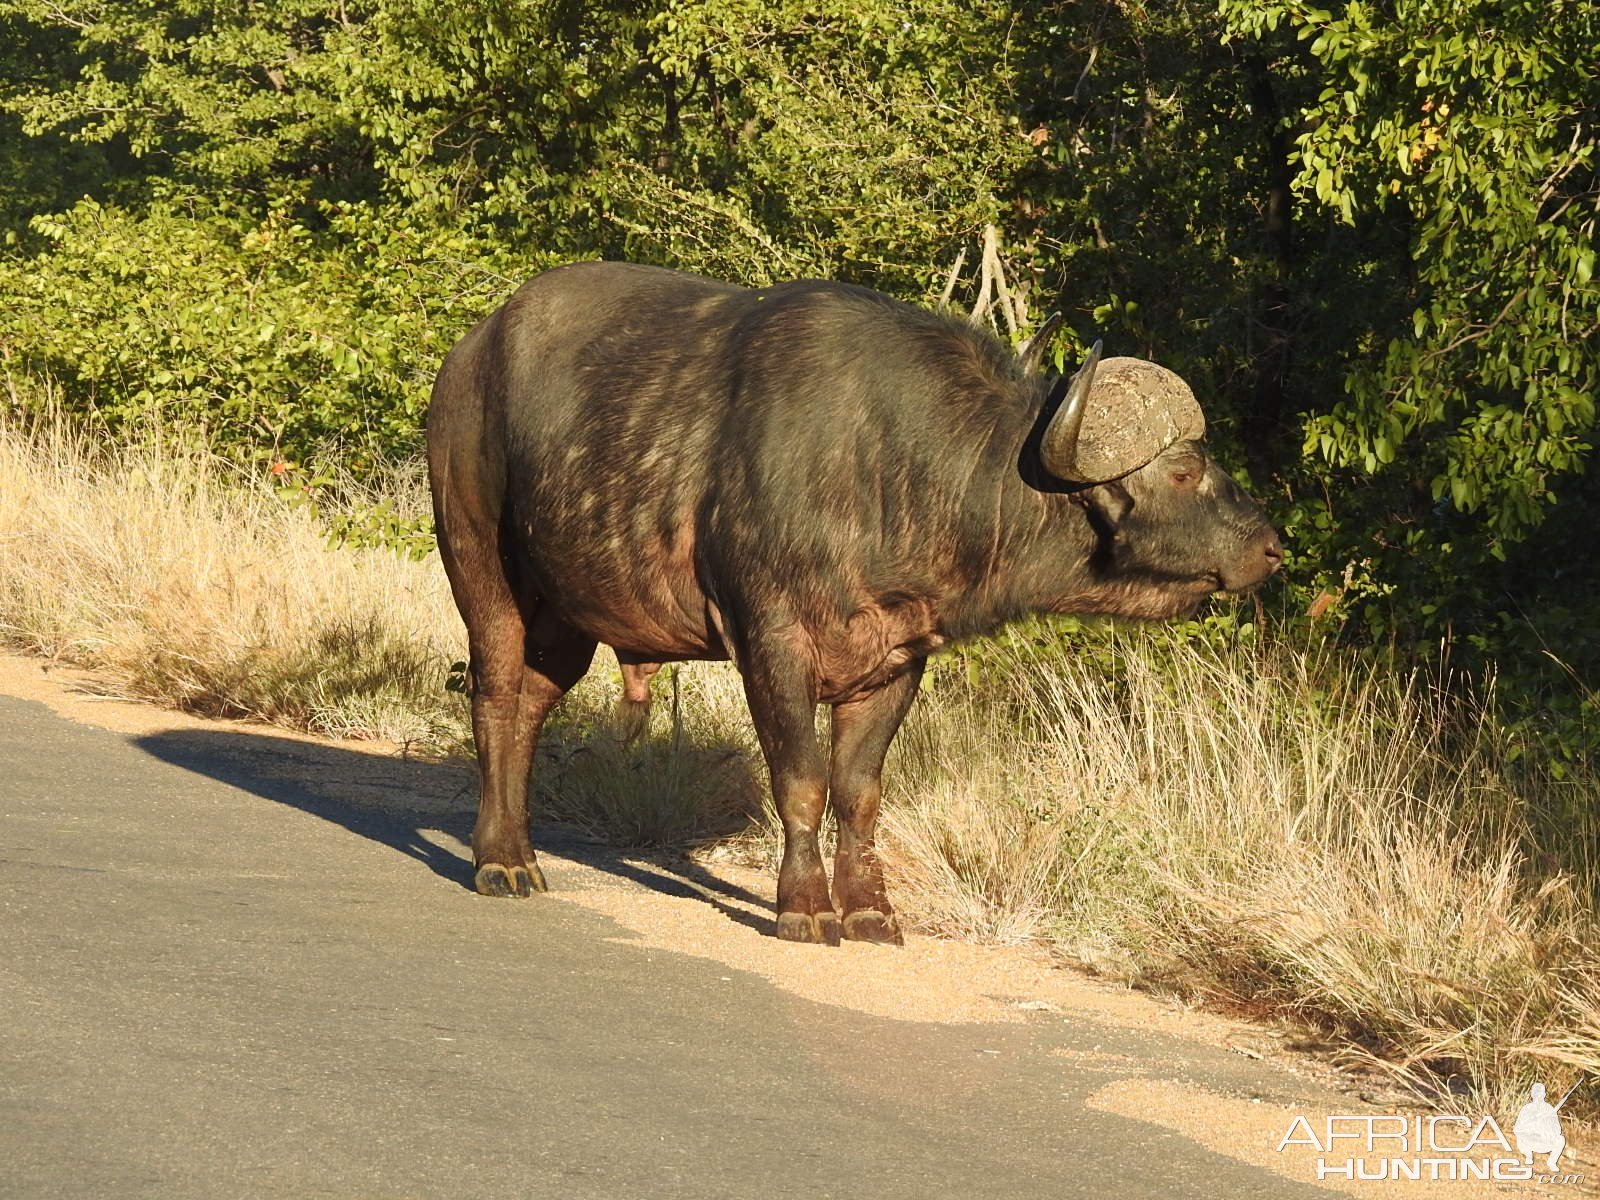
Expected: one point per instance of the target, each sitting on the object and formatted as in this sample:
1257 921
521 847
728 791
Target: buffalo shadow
396 802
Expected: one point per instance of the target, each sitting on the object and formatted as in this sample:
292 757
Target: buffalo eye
1185 479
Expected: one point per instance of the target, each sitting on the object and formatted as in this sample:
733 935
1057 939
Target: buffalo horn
1030 355
1059 449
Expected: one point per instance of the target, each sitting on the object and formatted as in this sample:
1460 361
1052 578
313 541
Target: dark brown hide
814 479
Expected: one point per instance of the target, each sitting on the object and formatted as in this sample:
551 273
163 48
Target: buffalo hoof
869 925
822 929
493 879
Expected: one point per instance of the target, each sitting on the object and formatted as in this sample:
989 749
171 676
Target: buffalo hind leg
519 666
521 661
505 728
862 731
783 705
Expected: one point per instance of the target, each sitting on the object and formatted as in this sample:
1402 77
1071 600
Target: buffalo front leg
783 704
505 728
862 731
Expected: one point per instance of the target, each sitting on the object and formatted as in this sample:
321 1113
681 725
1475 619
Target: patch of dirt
1251 1131
78 696
927 980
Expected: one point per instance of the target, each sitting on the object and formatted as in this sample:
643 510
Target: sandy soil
1251 1131
79 696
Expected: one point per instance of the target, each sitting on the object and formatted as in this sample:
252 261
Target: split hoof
494 879
869 925
821 929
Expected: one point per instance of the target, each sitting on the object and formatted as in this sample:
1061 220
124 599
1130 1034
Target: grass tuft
185 581
1290 832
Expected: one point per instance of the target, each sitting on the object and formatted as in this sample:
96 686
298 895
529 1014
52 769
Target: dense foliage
1366 232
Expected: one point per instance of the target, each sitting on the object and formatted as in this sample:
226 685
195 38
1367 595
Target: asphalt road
217 979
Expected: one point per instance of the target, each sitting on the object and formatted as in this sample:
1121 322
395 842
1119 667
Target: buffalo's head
1125 435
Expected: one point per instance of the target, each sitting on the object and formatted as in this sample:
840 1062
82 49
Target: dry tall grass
1289 832
187 582
1284 830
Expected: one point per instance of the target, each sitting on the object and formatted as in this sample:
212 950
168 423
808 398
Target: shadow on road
399 802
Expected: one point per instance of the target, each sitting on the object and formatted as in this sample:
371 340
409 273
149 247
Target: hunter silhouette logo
1538 1127
1371 1147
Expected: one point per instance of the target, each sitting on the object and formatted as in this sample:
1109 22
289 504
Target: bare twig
980 307
993 266
955 274
1094 53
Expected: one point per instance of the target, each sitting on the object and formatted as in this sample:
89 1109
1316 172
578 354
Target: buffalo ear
1030 355
1108 505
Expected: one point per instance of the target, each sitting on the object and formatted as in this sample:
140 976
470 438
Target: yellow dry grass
188 582
1288 832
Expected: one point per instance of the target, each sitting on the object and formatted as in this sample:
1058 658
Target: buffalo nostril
1274 552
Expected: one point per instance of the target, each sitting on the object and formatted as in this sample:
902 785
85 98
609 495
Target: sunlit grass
1289 832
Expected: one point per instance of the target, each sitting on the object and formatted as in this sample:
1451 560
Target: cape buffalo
815 480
